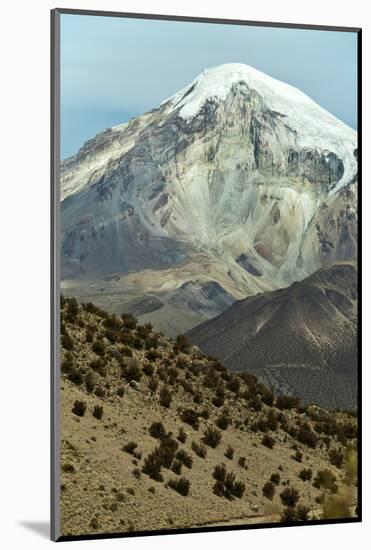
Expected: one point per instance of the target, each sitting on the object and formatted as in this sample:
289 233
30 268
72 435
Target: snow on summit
316 128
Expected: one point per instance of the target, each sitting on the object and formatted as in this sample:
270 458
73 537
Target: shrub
223 421
152 466
298 513
289 496
268 441
229 453
68 468
271 421
336 457
98 366
199 449
89 382
67 342
286 402
181 344
67 363
72 310
184 458
190 416
157 430
234 384
131 370
127 351
226 484
298 456
165 397
269 489
153 383
98 412
276 478
220 472
181 485
121 391
130 447
325 479
79 408
99 348
136 473
212 437
166 451
242 462
256 403
99 391
148 369
182 435
75 376
112 323
307 436
176 467
211 379
153 354
129 321
218 401
305 474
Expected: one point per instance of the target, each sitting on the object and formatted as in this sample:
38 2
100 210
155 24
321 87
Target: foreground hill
301 339
147 424
238 180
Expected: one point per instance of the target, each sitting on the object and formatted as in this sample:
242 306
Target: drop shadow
41 528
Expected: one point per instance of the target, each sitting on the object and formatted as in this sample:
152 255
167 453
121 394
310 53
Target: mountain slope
118 378
238 180
302 339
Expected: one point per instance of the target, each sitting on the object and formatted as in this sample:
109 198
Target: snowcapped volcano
315 127
237 184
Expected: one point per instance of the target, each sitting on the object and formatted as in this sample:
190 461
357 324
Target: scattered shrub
181 485
130 447
182 435
137 473
229 453
305 474
152 466
148 369
165 397
292 513
226 484
286 402
223 421
67 342
212 437
269 489
89 382
336 457
176 467
268 441
234 384
242 462
129 321
289 496
98 412
199 449
68 468
99 391
298 456
307 436
75 376
157 430
184 458
99 348
131 370
325 479
79 408
121 391
153 383
276 478
98 365
190 416
182 344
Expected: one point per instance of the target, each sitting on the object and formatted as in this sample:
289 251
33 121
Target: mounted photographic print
205 307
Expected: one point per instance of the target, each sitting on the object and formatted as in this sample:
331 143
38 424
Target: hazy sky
113 68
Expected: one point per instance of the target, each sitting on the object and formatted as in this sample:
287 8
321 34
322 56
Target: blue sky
113 68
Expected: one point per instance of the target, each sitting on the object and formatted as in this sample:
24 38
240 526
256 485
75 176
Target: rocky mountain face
300 340
238 184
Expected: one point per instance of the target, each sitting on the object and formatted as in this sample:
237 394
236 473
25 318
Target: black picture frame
55 269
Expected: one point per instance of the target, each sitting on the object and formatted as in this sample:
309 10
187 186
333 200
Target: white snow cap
316 128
